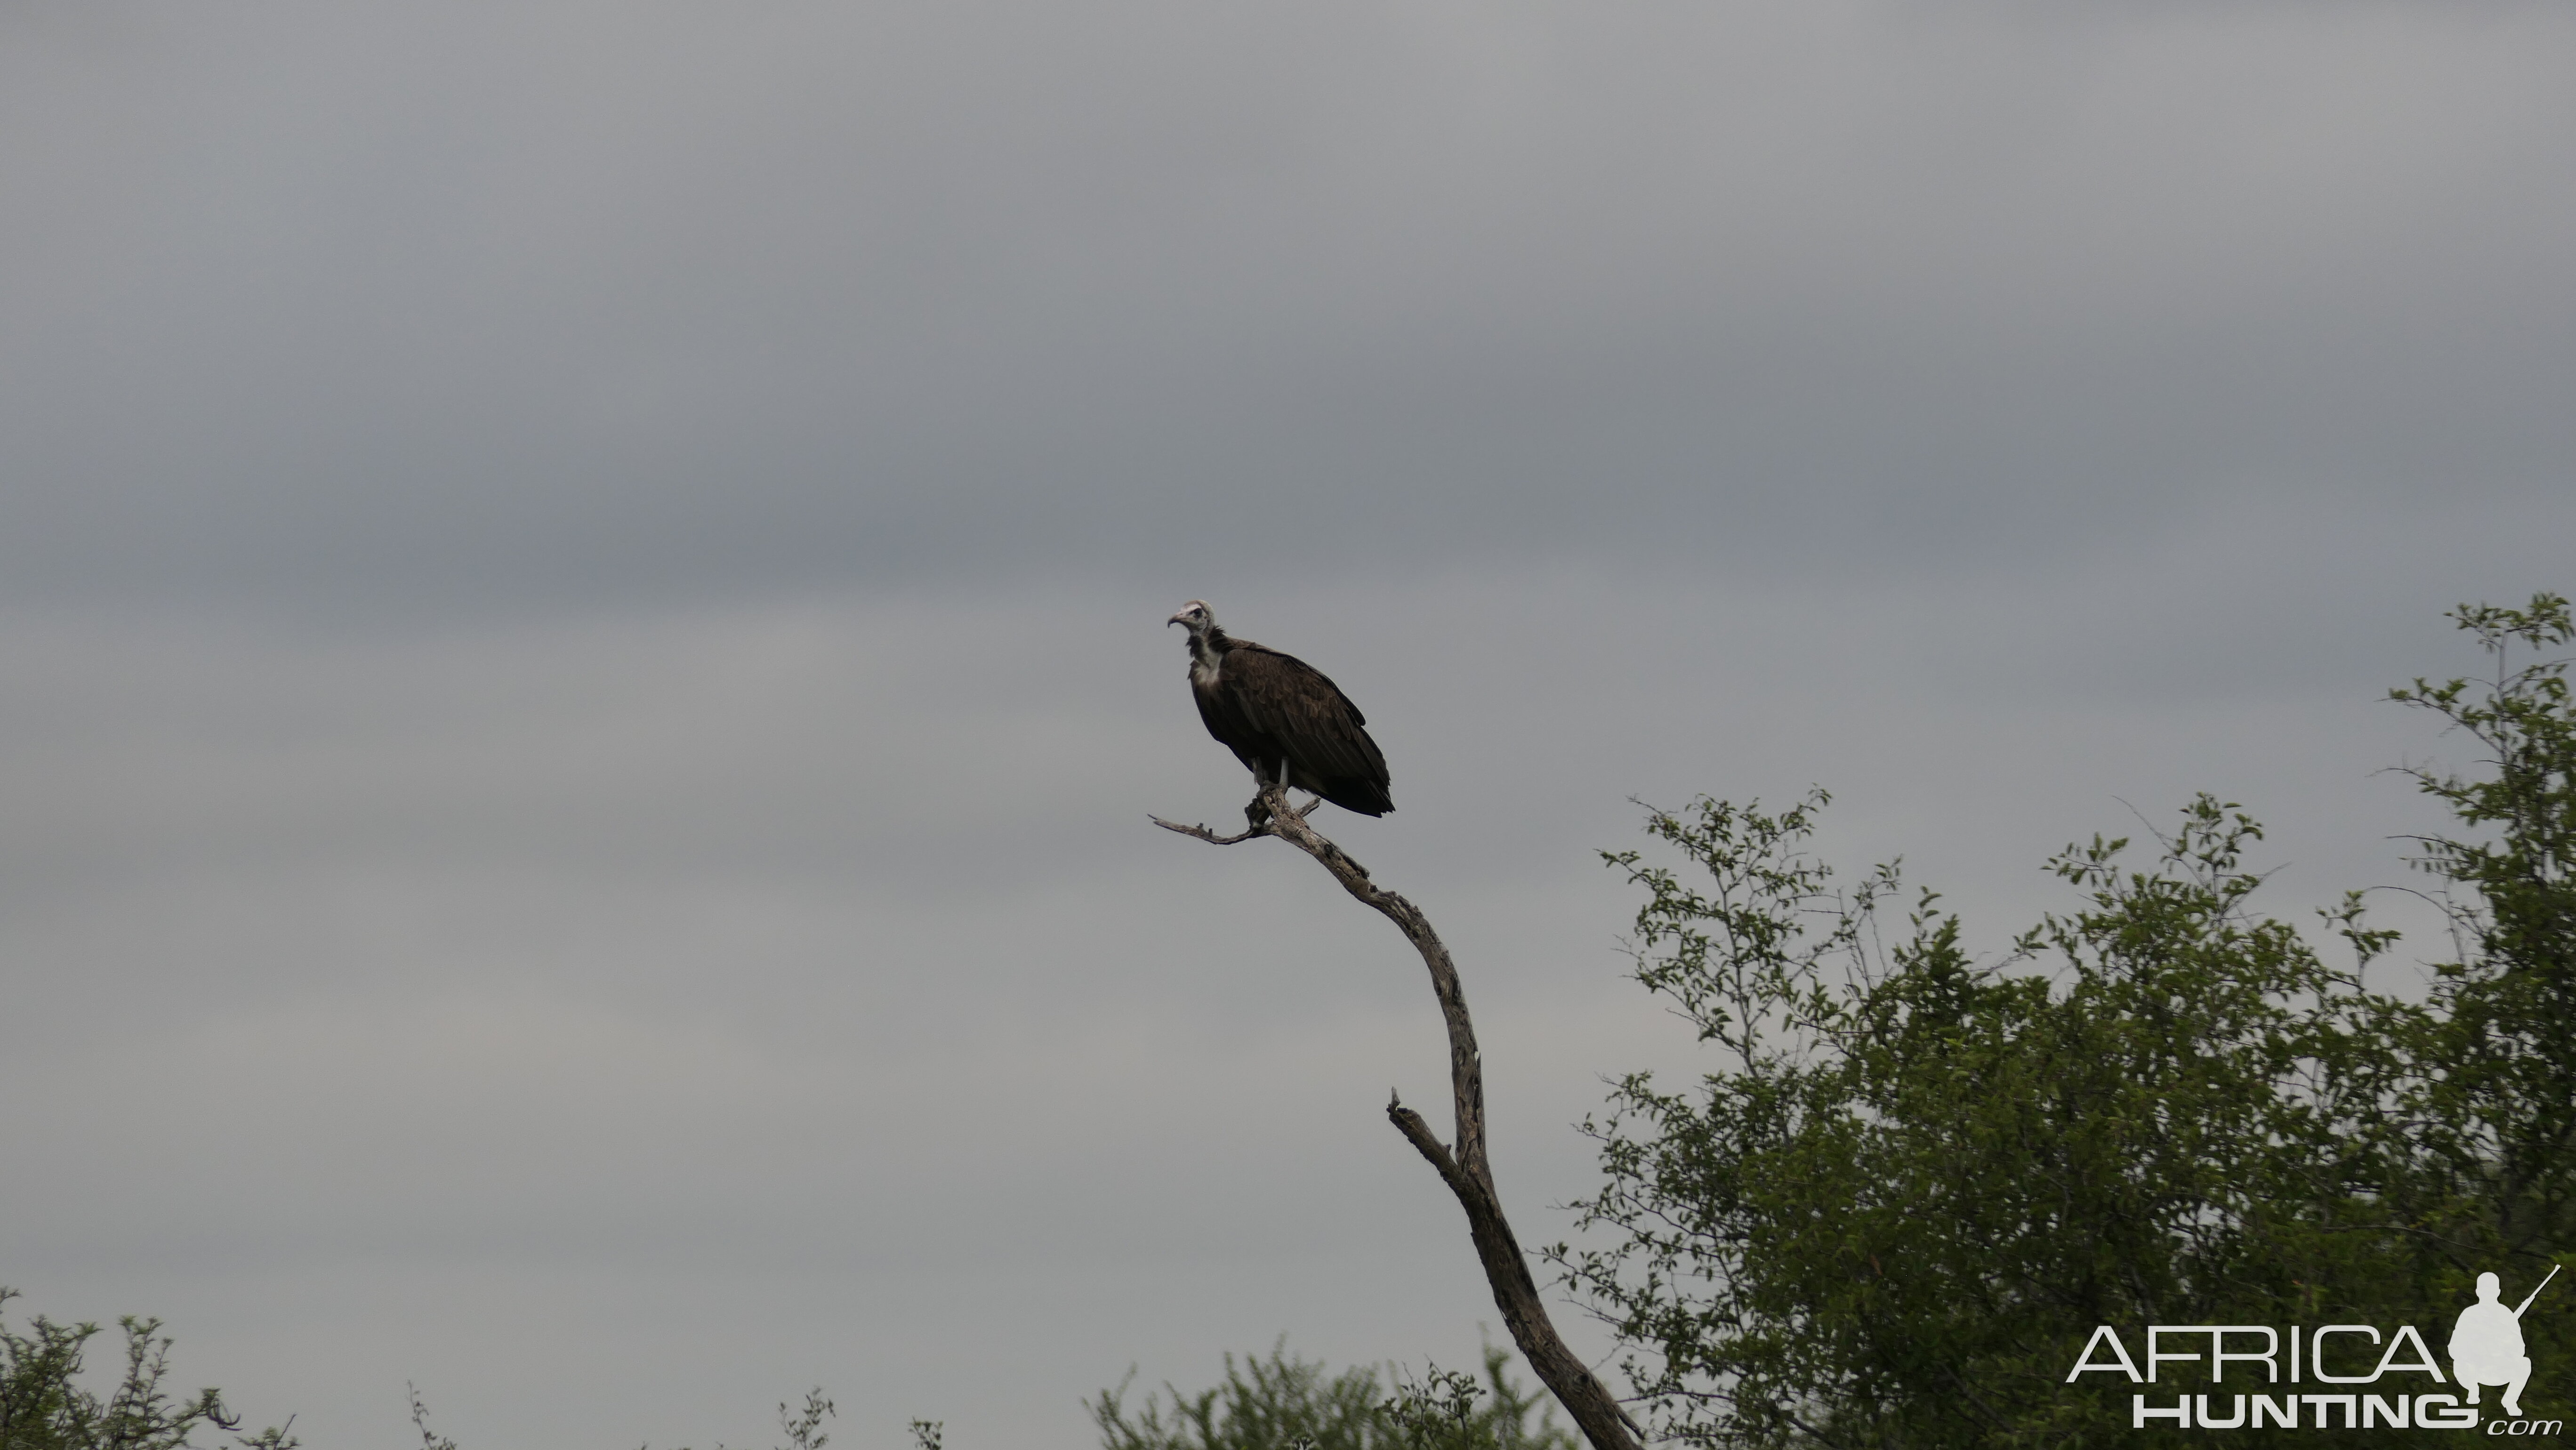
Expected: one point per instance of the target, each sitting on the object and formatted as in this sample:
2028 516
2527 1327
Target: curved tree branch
1462 1166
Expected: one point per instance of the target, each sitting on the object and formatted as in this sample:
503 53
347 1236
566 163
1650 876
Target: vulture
1282 718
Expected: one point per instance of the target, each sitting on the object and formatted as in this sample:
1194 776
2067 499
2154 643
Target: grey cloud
573 303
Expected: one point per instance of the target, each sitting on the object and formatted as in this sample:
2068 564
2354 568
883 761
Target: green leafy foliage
2496 1128
1285 1403
44 1407
803 1425
1920 1181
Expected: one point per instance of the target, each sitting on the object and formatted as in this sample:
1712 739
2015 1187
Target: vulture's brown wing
1322 732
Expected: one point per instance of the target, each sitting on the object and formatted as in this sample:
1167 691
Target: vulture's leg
1283 794
1256 813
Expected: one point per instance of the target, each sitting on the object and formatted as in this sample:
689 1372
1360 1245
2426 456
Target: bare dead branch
1418 1133
1201 832
1463 1166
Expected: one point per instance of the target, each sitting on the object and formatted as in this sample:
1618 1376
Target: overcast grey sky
581 594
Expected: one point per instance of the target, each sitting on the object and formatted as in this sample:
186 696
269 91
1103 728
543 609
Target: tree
43 1407
1919 1182
802 1425
1286 1403
2497 1125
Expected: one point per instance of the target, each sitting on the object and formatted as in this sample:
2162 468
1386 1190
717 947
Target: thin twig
1201 832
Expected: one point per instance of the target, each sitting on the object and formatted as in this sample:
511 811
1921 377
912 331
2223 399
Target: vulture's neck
1207 656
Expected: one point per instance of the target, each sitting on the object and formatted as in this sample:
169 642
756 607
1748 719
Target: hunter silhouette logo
2486 1345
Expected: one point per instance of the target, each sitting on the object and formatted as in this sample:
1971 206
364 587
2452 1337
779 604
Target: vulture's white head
1205 656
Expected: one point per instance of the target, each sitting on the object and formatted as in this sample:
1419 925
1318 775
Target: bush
1918 1182
41 1408
1282 1403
